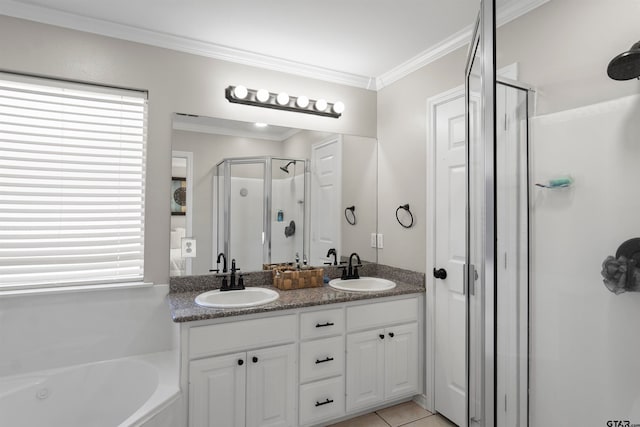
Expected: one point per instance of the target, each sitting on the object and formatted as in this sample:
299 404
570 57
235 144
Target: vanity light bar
282 101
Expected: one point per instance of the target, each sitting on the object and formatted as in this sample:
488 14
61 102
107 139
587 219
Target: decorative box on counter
287 277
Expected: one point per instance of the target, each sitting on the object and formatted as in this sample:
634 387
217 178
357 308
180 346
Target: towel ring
406 208
350 217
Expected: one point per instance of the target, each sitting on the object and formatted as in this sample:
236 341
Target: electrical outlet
373 240
380 241
188 247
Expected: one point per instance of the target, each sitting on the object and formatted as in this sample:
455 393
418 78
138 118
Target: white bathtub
121 392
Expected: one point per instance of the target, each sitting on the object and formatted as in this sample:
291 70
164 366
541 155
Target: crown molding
461 38
197 47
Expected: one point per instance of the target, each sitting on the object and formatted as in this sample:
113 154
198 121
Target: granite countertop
184 308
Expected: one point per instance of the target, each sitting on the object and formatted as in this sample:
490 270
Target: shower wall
584 339
288 196
583 344
246 224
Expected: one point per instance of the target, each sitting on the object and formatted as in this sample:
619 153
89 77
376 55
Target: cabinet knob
391 334
255 359
240 362
381 336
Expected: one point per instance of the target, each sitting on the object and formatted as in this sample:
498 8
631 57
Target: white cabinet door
401 360
217 391
271 386
365 368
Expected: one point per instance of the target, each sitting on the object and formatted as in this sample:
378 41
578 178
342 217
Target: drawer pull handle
381 336
322 325
328 359
326 402
391 334
255 359
240 362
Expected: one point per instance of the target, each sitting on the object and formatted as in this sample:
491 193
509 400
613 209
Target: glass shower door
480 258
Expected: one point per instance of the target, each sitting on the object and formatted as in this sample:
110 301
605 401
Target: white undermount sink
363 284
248 297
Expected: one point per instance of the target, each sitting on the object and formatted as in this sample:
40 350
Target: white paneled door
450 303
326 196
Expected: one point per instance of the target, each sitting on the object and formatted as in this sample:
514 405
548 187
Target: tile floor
408 414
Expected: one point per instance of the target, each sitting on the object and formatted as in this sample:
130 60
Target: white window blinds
72 173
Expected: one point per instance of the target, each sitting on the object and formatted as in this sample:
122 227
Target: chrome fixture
282 101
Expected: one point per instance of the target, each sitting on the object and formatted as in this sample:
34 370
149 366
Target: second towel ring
350 217
406 208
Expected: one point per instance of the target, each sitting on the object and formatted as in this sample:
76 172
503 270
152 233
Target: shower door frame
482 294
266 218
267 162
483 288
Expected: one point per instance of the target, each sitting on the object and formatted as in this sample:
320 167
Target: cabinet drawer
321 400
321 358
237 336
322 323
382 314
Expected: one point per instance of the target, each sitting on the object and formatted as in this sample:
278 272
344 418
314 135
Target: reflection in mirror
267 194
249 191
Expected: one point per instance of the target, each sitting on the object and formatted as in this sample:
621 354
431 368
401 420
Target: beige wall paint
359 176
177 82
208 150
563 48
402 133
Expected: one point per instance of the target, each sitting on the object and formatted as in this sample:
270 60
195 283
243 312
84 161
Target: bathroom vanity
312 357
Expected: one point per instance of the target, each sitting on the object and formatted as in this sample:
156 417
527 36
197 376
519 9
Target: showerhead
286 167
626 66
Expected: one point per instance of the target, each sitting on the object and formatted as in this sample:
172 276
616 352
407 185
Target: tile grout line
383 420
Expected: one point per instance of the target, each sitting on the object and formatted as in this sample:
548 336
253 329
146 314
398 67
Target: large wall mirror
263 194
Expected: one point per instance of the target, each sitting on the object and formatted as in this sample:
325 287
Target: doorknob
440 273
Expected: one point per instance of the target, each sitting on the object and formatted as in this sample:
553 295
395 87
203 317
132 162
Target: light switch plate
380 241
188 247
373 240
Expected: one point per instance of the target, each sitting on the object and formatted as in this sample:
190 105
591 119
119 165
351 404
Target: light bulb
282 98
261 125
321 104
338 107
302 101
240 92
262 95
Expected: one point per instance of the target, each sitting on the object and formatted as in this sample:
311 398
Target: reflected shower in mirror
268 194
